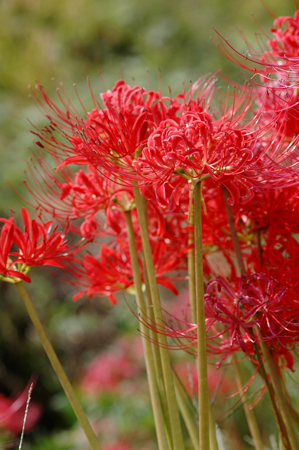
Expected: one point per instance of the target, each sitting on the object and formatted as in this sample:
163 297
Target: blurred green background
69 40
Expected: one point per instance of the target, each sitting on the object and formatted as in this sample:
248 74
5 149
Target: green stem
68 389
250 416
280 444
280 423
154 340
191 261
203 392
155 347
189 422
149 360
157 361
192 296
280 397
176 431
212 428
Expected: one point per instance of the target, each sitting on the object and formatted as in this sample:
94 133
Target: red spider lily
42 244
169 243
260 302
114 265
284 66
194 146
115 135
115 270
229 312
110 135
286 37
217 243
274 214
184 335
12 411
265 228
173 194
39 244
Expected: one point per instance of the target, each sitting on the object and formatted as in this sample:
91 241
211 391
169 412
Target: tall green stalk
250 416
149 360
154 340
153 333
192 297
278 417
68 389
157 360
155 347
280 397
203 392
191 260
176 431
280 444
188 419
212 430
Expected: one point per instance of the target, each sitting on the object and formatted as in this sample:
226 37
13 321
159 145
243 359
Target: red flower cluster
162 143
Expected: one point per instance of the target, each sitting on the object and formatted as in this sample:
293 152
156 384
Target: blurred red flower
12 412
38 245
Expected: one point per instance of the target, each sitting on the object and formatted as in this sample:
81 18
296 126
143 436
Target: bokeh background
68 41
